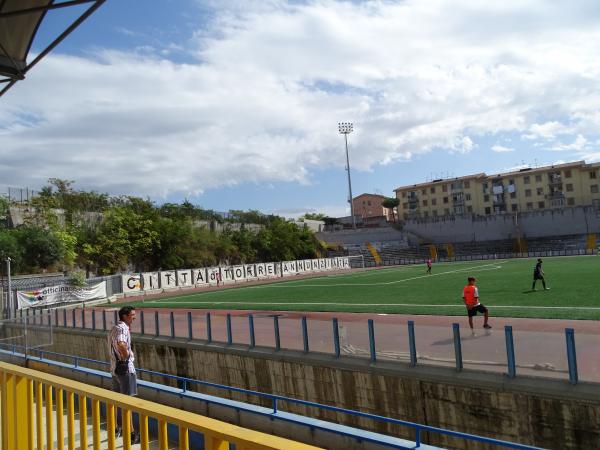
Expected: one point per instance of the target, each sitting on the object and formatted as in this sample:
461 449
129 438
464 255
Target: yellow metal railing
26 395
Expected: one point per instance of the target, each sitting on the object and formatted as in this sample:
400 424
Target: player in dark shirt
538 274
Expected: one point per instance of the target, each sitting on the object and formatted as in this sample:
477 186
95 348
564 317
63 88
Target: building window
529 205
568 173
594 188
432 190
445 199
569 187
423 191
424 202
593 175
363 202
526 179
527 192
469 209
433 202
538 178
467 184
468 197
570 201
405 205
511 181
540 191
404 195
541 205
369 203
444 188
488 210
486 198
513 195
514 207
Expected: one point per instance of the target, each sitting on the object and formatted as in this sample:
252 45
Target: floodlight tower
346 128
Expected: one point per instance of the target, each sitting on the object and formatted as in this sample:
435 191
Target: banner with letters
172 279
60 294
132 283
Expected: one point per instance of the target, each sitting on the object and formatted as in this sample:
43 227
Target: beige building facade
530 189
369 205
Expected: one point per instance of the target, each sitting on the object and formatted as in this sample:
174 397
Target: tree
391 203
314 216
41 247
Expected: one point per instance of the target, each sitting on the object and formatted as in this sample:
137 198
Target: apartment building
369 205
558 186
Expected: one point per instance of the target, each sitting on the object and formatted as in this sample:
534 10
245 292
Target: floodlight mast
346 128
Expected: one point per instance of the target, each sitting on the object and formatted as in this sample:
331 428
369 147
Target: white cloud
270 80
501 149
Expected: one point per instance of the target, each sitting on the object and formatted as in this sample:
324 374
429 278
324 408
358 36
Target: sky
235 104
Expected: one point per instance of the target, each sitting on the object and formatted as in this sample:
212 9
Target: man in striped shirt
119 345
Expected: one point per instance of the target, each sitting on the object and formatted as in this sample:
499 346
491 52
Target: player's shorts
479 308
538 276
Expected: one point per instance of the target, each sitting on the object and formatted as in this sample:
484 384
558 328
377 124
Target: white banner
184 278
131 283
238 273
260 271
250 271
288 268
213 274
168 279
60 294
270 270
200 276
150 280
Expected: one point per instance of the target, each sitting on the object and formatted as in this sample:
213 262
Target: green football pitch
504 287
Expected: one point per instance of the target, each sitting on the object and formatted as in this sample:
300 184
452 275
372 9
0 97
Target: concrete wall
535 224
362 235
541 412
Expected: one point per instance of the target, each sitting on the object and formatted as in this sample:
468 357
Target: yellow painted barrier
19 400
374 253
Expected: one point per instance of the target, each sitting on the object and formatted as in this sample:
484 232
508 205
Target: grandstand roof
19 23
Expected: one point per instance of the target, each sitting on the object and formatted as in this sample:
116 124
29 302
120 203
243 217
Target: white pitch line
591 308
491 266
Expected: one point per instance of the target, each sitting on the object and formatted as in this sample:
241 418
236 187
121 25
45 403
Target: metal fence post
190 328
93 319
73 317
115 317
156 324
56 316
172 322
372 340
64 317
228 325
251 330
510 351
208 328
305 334
103 319
571 355
457 347
82 317
142 323
336 338
412 348
276 329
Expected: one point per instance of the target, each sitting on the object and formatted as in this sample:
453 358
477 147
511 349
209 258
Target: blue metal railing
185 382
571 355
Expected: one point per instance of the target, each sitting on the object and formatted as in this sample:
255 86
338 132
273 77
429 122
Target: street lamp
346 128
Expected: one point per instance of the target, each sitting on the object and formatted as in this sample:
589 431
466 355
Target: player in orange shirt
471 298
